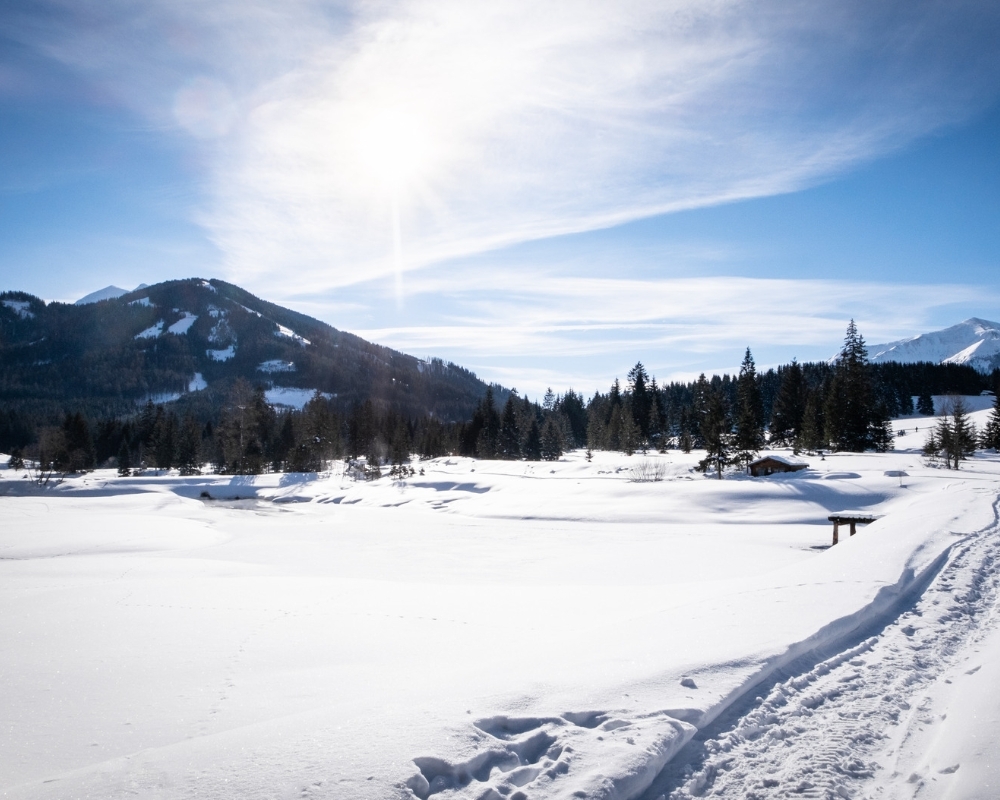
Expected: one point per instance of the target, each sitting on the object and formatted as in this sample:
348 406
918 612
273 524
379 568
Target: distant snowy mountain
107 293
975 342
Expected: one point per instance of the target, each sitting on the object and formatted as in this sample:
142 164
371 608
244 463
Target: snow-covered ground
290 397
503 630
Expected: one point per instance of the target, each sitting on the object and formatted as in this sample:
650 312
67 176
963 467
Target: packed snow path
835 730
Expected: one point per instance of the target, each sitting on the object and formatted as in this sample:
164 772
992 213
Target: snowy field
501 630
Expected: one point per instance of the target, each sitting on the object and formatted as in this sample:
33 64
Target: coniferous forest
844 405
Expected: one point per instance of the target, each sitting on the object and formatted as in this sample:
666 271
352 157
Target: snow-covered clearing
20 307
290 334
197 383
222 355
183 324
290 397
152 332
502 630
276 365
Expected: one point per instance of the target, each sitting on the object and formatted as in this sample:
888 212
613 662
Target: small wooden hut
768 465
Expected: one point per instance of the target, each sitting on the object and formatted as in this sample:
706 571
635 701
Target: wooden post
854 530
836 531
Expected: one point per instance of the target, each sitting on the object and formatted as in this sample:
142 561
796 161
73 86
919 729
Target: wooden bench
849 519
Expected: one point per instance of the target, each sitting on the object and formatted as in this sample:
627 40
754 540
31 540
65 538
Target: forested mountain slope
188 340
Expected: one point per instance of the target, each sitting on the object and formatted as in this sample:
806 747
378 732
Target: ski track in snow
830 731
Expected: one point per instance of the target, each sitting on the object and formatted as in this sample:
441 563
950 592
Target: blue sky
542 193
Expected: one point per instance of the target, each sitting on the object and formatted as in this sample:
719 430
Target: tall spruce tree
245 429
164 439
925 403
811 434
510 431
533 442
749 434
991 432
487 419
124 460
956 433
699 408
789 406
716 433
188 446
638 382
551 444
853 419
78 453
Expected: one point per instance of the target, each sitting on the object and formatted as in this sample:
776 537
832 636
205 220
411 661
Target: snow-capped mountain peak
975 342
107 293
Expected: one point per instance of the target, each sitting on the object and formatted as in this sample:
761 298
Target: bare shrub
646 472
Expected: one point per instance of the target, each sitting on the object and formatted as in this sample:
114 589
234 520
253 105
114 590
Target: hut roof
788 462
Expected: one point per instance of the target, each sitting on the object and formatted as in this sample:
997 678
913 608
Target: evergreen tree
399 442
715 432
880 435
789 406
124 460
510 432
551 441
936 438
925 403
164 439
16 460
533 442
956 435
811 433
147 424
657 417
571 406
749 438
319 432
245 429
614 398
613 435
642 400
597 431
284 443
991 433
487 420
685 439
189 446
78 453
854 421
629 436
699 407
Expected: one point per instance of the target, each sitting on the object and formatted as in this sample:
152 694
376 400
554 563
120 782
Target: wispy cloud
699 312
484 125
594 329
498 124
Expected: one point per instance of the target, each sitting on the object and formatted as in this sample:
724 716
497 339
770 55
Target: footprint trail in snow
828 732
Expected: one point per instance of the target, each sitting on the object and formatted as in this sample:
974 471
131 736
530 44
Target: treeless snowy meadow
504 630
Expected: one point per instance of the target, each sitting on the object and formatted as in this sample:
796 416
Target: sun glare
394 148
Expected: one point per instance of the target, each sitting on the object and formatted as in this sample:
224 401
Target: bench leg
836 532
854 530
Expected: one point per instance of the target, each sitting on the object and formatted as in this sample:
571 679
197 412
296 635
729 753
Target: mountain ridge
975 341
188 340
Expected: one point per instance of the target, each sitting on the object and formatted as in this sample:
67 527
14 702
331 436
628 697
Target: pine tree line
845 406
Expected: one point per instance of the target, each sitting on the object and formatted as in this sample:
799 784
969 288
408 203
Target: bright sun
394 148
